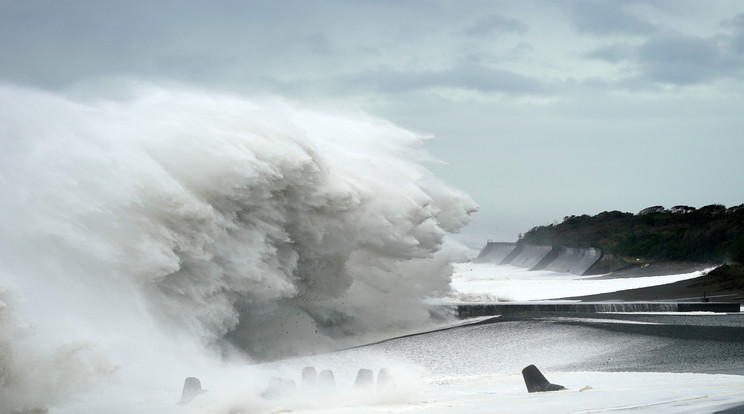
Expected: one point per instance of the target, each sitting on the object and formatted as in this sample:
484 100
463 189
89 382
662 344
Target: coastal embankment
574 260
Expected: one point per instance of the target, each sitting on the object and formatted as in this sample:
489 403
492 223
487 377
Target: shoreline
691 290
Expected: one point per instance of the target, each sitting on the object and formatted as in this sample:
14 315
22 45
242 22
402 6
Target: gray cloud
612 53
495 24
468 77
680 59
607 17
675 58
319 43
386 57
53 44
737 37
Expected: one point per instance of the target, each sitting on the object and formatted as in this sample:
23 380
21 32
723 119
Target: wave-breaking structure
575 260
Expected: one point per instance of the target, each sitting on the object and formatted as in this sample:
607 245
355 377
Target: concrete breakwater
470 310
495 252
575 260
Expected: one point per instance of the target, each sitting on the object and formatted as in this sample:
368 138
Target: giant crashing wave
181 219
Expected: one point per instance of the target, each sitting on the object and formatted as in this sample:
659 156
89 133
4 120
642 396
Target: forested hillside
712 233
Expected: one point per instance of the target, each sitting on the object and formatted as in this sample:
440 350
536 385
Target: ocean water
172 233
486 282
474 369
159 232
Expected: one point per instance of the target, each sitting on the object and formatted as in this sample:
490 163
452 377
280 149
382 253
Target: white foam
149 236
507 283
603 392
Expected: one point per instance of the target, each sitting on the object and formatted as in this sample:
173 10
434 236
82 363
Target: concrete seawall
528 255
469 310
495 252
576 260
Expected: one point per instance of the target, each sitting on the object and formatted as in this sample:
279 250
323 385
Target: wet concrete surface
691 290
581 342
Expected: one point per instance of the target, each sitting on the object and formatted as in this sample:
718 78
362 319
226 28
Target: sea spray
155 232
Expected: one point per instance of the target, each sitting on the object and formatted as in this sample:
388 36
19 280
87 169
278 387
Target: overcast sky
539 109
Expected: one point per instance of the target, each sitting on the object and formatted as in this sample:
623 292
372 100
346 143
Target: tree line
712 233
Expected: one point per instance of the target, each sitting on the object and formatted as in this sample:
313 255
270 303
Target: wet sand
700 343
691 290
658 269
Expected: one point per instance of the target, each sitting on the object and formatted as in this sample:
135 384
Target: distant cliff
712 233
